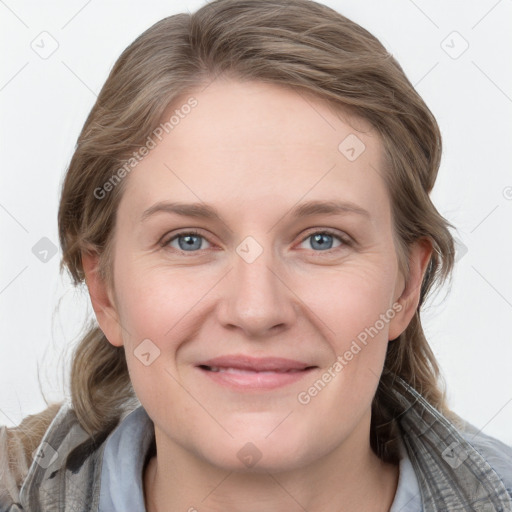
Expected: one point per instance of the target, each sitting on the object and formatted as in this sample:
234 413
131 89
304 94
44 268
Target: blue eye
323 240
190 241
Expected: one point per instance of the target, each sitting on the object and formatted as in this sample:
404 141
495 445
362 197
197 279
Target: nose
256 298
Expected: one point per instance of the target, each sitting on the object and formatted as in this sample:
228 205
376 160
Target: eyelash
345 241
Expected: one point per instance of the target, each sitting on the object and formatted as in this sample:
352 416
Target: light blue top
125 452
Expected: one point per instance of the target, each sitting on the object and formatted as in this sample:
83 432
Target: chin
250 460
261 453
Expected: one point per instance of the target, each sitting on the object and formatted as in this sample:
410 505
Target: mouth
245 373
242 371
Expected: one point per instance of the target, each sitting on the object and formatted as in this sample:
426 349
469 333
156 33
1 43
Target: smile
241 372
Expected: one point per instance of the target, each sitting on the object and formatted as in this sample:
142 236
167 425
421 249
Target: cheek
144 307
154 302
351 299
355 312
158 309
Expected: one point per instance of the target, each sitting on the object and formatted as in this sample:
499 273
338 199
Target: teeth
240 371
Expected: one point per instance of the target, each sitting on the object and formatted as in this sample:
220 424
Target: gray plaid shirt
458 469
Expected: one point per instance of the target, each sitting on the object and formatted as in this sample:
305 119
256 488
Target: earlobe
419 257
101 299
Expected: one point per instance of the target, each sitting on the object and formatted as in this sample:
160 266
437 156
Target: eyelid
328 231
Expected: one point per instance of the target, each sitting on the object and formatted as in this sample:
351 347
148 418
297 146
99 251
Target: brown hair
298 44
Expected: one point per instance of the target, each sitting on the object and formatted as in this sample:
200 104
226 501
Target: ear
409 298
102 299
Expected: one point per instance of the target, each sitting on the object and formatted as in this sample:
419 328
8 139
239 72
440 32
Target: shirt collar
123 463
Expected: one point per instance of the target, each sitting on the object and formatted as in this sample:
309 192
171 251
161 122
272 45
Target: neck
346 479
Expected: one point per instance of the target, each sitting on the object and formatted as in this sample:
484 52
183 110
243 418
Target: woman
248 204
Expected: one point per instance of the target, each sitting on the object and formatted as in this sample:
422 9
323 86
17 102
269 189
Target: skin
254 151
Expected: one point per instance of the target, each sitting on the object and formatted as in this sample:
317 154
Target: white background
44 105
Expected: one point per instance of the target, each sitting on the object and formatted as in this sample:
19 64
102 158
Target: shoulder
60 465
458 467
495 452
16 447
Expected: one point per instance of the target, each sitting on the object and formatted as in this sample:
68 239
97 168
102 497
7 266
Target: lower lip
256 380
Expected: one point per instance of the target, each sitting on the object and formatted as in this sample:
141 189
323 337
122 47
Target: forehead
263 117
243 140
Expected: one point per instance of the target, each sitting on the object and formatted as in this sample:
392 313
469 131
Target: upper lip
256 364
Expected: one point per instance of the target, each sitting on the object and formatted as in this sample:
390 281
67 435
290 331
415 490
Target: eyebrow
204 211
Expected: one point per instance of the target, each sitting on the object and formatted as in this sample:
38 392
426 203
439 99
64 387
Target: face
262 314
